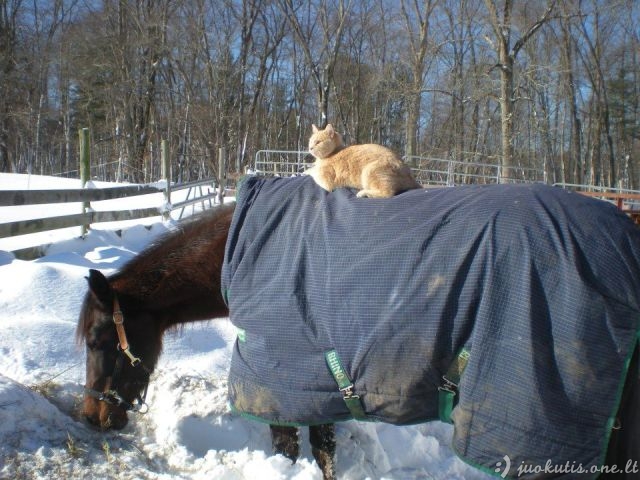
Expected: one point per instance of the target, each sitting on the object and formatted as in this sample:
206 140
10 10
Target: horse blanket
540 285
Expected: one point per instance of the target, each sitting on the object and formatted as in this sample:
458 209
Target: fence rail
281 163
90 216
35 197
427 170
625 199
446 172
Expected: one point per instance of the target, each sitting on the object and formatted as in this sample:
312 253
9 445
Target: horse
173 282
180 279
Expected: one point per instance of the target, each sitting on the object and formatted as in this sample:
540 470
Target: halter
112 397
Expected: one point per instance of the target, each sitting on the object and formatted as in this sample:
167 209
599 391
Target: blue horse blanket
540 285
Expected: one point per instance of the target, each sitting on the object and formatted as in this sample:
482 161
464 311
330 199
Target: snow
188 432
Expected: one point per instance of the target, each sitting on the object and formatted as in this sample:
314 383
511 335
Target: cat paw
374 194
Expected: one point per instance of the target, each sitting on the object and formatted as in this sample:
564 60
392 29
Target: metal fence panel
281 163
427 170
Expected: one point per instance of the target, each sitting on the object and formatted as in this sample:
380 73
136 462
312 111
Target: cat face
324 142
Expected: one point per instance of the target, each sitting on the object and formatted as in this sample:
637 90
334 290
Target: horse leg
323 447
624 445
285 441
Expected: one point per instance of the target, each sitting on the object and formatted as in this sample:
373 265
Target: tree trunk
418 41
323 59
506 59
576 169
506 114
411 127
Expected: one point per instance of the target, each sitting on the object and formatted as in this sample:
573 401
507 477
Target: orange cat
373 169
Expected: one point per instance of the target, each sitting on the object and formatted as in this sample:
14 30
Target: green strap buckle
449 390
345 385
446 402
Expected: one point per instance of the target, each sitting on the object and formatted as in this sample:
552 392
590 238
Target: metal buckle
135 361
139 405
347 393
448 386
113 398
118 317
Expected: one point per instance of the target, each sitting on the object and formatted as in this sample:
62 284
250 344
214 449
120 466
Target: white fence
438 171
428 171
281 163
111 204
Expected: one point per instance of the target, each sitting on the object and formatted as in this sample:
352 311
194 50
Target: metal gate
281 163
438 171
427 170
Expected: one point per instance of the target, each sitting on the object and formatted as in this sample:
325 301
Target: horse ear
99 286
314 129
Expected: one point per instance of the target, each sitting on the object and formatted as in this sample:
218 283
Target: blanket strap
448 391
345 385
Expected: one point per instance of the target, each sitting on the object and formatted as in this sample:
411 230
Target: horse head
118 362
123 318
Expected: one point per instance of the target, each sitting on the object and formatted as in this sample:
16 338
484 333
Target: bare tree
8 59
574 172
462 83
359 69
507 51
262 30
417 17
594 60
320 49
253 74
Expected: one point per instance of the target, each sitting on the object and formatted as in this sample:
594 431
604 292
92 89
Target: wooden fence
84 196
90 216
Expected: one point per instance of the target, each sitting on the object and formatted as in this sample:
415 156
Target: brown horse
177 280
173 282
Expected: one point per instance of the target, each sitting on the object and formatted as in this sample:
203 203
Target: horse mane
186 255
182 264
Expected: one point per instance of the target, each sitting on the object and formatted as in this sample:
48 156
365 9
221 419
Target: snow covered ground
188 431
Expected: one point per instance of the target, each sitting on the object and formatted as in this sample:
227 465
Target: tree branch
533 29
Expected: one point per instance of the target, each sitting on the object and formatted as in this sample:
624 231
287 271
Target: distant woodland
547 84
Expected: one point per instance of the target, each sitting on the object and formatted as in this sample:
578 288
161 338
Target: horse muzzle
103 414
108 409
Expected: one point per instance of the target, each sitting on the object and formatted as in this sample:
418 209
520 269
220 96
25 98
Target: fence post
222 169
166 176
85 156
451 179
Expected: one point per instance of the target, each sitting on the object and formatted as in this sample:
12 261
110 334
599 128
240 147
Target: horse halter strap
118 319
112 396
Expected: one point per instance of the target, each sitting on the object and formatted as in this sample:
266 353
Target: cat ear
329 129
314 128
